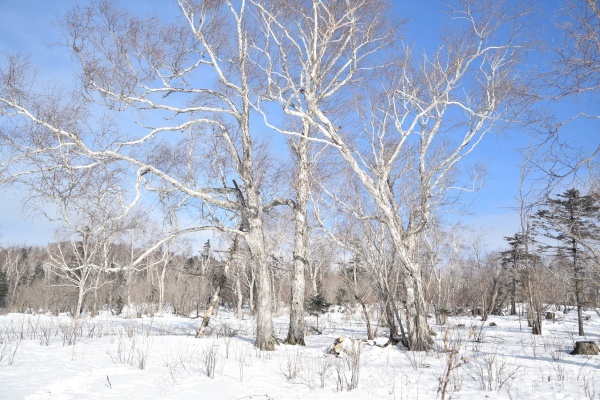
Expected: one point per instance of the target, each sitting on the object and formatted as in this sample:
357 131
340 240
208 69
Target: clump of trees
570 221
175 128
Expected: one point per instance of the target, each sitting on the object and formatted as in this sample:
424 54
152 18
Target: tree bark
238 291
513 294
417 328
80 298
251 289
296 329
494 297
416 315
265 335
161 290
578 288
129 277
95 306
313 282
389 317
209 311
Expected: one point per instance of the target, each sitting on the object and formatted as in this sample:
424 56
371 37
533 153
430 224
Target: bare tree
287 24
14 269
523 244
373 271
572 86
94 216
71 260
193 90
83 251
442 252
411 128
161 273
190 137
577 57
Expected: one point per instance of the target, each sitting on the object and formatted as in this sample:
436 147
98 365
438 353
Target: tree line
297 131
460 276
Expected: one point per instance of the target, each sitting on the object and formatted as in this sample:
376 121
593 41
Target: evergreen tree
316 306
571 219
511 260
205 257
119 306
3 289
38 273
521 261
206 250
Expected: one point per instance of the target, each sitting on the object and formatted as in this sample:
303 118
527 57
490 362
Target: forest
296 158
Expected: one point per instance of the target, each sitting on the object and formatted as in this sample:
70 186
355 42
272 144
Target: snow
147 358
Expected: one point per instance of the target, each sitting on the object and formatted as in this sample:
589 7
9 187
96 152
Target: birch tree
432 112
300 149
184 91
83 249
352 222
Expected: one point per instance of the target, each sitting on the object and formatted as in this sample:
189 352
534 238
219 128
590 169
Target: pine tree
205 257
520 261
316 306
511 259
3 289
119 306
206 250
38 273
571 220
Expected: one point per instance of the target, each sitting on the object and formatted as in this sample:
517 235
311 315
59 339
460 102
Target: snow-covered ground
115 358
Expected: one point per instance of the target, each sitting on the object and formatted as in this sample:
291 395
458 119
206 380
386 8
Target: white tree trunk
417 327
95 307
129 307
296 329
265 336
80 297
238 291
220 281
161 290
209 311
251 286
419 338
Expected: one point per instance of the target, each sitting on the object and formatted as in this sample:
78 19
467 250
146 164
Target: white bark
238 291
265 335
161 289
80 298
296 328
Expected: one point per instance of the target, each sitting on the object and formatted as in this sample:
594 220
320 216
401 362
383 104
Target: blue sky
29 26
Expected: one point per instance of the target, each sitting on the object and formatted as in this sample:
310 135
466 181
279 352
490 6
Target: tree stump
588 348
550 315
